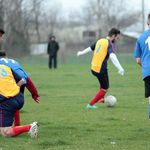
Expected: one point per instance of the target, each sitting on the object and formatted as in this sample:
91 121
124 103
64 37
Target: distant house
89 37
127 42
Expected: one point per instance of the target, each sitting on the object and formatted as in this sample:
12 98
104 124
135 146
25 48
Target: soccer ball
110 100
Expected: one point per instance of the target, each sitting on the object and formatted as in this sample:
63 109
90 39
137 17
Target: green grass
65 124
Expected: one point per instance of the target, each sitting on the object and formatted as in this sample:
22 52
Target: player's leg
6 121
17 113
147 92
11 131
104 85
7 111
17 118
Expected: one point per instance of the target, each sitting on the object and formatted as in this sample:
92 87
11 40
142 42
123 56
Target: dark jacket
52 48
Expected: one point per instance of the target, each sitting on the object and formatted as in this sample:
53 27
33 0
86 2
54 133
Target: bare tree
1 13
20 18
52 16
17 40
36 14
1 16
108 13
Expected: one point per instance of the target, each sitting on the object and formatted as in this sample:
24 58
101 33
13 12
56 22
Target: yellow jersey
8 86
100 53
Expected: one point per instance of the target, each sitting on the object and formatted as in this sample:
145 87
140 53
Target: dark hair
113 31
2 53
2 31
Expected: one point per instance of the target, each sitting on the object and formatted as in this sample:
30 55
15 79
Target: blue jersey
14 65
142 51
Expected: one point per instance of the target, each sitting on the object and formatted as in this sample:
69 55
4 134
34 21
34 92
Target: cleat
33 132
91 106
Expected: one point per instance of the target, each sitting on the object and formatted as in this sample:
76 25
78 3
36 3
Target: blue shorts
8 109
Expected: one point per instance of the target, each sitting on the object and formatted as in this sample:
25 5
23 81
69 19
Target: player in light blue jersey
15 66
142 55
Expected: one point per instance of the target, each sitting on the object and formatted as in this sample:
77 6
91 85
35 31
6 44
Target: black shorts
147 86
102 78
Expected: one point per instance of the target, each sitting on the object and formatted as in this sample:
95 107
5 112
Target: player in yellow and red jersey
102 51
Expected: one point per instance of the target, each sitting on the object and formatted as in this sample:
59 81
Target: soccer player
15 66
11 100
142 55
102 51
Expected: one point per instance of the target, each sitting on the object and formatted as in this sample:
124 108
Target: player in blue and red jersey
142 55
11 100
15 66
102 50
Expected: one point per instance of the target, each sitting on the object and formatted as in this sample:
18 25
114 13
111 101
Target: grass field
65 124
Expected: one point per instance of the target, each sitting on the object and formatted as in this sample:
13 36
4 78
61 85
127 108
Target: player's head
2 32
148 20
2 53
113 34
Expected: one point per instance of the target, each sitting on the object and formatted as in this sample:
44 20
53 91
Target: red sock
98 96
20 129
17 118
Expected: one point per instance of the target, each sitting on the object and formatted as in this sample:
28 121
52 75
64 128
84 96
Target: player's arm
137 53
32 89
115 60
20 81
116 63
87 50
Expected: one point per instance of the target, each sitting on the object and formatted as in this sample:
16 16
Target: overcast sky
71 5
68 5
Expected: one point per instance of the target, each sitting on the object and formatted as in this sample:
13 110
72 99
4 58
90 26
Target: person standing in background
52 50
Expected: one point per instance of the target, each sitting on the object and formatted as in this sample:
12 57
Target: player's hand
79 53
36 98
121 72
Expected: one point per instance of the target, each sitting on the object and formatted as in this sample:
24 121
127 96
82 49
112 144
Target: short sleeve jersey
8 86
15 66
142 51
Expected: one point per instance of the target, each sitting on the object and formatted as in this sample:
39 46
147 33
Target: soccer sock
19 130
31 87
17 118
98 96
